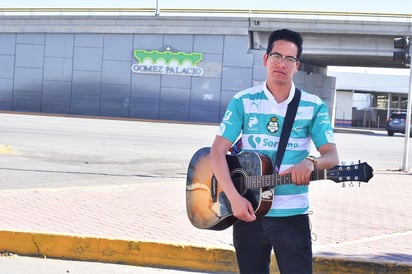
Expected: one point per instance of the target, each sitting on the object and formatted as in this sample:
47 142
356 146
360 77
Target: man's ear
265 59
297 66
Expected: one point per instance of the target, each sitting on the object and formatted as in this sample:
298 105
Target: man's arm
241 207
301 171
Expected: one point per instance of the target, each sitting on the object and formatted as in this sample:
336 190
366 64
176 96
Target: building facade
366 99
180 69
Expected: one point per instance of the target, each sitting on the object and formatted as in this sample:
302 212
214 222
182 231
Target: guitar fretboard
275 179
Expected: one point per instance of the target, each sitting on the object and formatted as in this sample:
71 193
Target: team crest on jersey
273 125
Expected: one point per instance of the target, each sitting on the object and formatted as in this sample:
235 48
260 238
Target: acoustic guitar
252 173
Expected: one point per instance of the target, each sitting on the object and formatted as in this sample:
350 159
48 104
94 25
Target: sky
370 6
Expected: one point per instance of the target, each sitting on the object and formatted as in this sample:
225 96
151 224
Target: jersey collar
288 100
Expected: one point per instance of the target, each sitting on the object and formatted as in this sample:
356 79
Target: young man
257 114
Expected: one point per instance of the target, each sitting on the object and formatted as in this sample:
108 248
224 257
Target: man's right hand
242 209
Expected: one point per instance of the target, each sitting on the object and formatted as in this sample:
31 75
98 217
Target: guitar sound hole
238 178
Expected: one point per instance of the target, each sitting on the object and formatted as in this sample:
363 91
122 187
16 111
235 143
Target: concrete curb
167 255
358 131
117 251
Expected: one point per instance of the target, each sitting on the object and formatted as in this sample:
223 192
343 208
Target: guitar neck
275 179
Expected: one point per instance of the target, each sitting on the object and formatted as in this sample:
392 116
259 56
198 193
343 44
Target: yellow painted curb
117 251
323 265
5 149
164 255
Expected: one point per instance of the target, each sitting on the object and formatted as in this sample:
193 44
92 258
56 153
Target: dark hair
288 35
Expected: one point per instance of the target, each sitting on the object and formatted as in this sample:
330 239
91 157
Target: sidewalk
366 229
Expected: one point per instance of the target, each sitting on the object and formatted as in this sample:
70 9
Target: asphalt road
48 151
30 265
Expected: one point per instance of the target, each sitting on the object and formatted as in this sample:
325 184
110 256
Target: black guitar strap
287 127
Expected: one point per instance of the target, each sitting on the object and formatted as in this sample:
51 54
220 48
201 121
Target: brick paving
372 222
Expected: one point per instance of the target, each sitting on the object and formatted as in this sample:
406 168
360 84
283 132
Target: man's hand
300 173
242 209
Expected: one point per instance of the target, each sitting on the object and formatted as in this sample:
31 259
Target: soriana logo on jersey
167 62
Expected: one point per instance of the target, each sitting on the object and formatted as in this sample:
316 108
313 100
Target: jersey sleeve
232 122
322 131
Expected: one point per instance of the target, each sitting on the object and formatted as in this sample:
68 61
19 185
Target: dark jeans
288 236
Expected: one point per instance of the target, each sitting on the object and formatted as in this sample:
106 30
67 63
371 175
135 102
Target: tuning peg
347 163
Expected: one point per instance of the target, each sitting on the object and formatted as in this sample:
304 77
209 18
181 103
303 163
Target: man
257 114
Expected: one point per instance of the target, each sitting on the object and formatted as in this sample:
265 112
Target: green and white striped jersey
256 116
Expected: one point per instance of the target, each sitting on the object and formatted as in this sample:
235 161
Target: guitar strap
287 127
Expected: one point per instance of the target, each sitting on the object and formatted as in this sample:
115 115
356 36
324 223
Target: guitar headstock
361 172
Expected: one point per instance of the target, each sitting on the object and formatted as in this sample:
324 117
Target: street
51 152
29 265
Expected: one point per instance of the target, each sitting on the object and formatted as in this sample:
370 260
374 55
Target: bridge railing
149 10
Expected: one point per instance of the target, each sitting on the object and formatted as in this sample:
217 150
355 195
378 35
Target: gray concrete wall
83 73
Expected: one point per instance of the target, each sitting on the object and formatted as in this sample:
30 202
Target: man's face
281 63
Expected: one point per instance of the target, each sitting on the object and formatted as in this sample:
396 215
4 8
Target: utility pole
403 56
157 8
405 165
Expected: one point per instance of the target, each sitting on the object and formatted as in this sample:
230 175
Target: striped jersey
255 115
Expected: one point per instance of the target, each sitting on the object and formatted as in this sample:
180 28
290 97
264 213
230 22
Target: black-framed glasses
277 58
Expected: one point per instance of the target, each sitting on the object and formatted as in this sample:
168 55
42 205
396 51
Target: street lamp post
405 165
403 56
157 8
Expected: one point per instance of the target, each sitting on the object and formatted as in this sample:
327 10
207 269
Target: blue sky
372 6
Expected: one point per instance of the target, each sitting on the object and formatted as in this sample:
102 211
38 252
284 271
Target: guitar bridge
213 189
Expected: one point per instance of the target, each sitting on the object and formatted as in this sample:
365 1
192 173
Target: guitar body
207 205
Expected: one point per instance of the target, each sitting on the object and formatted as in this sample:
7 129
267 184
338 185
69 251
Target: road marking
5 149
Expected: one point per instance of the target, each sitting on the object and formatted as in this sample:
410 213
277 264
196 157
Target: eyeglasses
277 58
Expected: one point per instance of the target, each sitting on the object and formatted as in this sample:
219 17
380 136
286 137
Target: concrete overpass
330 38
343 40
